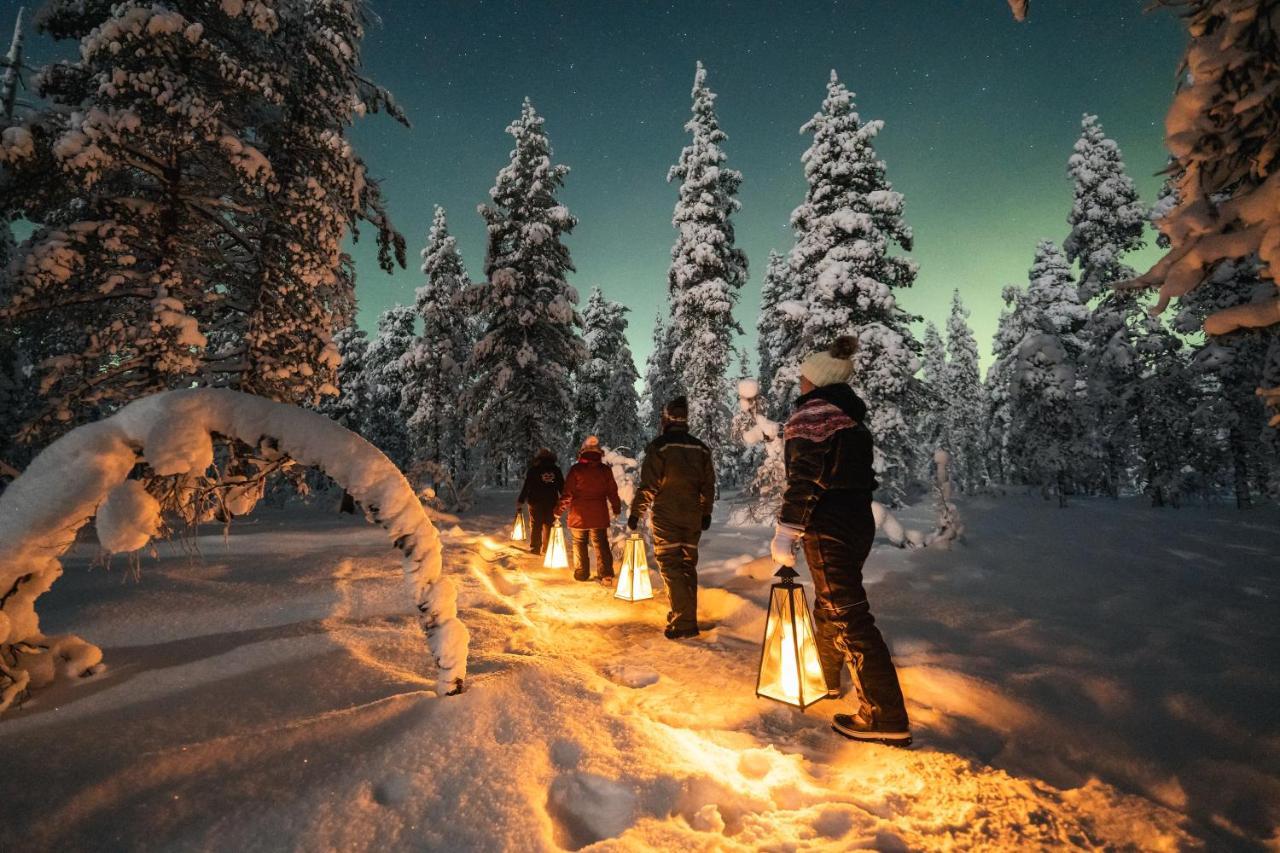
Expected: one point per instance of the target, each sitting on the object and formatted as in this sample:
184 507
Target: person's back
543 484
678 486
591 497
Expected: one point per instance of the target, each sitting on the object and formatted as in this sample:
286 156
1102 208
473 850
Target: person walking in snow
678 485
827 505
591 497
543 484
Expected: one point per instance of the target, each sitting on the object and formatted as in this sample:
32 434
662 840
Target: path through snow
1100 677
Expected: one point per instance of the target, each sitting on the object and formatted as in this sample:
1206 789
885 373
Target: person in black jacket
827 504
543 483
678 483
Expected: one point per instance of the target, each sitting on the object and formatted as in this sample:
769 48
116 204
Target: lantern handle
787 574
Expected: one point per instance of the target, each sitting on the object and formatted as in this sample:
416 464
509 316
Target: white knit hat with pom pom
831 365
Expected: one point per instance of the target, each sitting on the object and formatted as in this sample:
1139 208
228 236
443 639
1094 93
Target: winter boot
674 633
870 730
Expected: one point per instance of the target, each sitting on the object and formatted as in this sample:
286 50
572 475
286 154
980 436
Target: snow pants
582 539
677 551
836 544
541 517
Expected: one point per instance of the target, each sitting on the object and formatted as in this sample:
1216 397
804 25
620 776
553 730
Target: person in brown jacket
591 497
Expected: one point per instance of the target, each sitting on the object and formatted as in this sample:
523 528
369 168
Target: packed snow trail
270 693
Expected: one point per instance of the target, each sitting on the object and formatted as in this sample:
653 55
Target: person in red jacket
591 497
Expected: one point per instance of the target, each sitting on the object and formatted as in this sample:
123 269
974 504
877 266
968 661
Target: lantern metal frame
790 587
556 538
520 524
628 574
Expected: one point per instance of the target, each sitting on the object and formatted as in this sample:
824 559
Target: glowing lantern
633 580
557 557
790 670
519 530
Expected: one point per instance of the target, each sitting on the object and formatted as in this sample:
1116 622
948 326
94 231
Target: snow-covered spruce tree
843 266
606 400
1046 409
965 400
300 292
768 480
1107 222
602 330
521 398
707 271
1001 414
153 184
178 187
1166 397
384 377
780 322
351 404
434 365
660 384
1235 363
934 419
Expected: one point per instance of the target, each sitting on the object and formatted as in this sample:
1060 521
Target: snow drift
86 474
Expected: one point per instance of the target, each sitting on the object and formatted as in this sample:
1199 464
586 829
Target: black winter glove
706 522
633 522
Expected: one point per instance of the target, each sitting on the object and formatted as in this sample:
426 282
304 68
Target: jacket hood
841 396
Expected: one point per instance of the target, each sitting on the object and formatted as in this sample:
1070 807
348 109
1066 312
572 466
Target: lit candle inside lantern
519 530
633 580
557 555
790 670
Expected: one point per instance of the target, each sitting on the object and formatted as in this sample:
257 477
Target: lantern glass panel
519 530
557 556
790 670
634 583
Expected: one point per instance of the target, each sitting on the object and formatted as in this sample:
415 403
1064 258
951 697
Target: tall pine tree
521 397
780 321
965 399
844 266
1046 426
435 364
607 405
1107 222
384 378
707 271
659 379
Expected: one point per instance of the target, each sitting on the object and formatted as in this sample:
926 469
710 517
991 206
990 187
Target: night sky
980 115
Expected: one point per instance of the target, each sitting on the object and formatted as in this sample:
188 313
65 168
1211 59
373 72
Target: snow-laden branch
85 474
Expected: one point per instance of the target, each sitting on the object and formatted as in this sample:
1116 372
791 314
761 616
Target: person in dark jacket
543 484
827 504
591 496
678 483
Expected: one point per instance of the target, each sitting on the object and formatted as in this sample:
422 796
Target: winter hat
676 410
833 365
592 444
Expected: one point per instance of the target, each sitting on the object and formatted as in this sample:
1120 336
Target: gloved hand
783 546
633 522
706 522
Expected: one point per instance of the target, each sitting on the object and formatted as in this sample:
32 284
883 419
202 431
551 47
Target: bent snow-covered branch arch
85 474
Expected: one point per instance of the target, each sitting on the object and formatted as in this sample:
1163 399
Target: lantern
633 581
519 530
557 557
790 670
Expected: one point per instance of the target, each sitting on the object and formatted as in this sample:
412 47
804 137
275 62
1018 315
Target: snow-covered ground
1102 676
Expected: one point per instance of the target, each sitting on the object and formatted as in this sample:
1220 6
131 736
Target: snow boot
861 729
674 633
606 580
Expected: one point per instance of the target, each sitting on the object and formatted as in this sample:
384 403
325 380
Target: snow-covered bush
88 473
